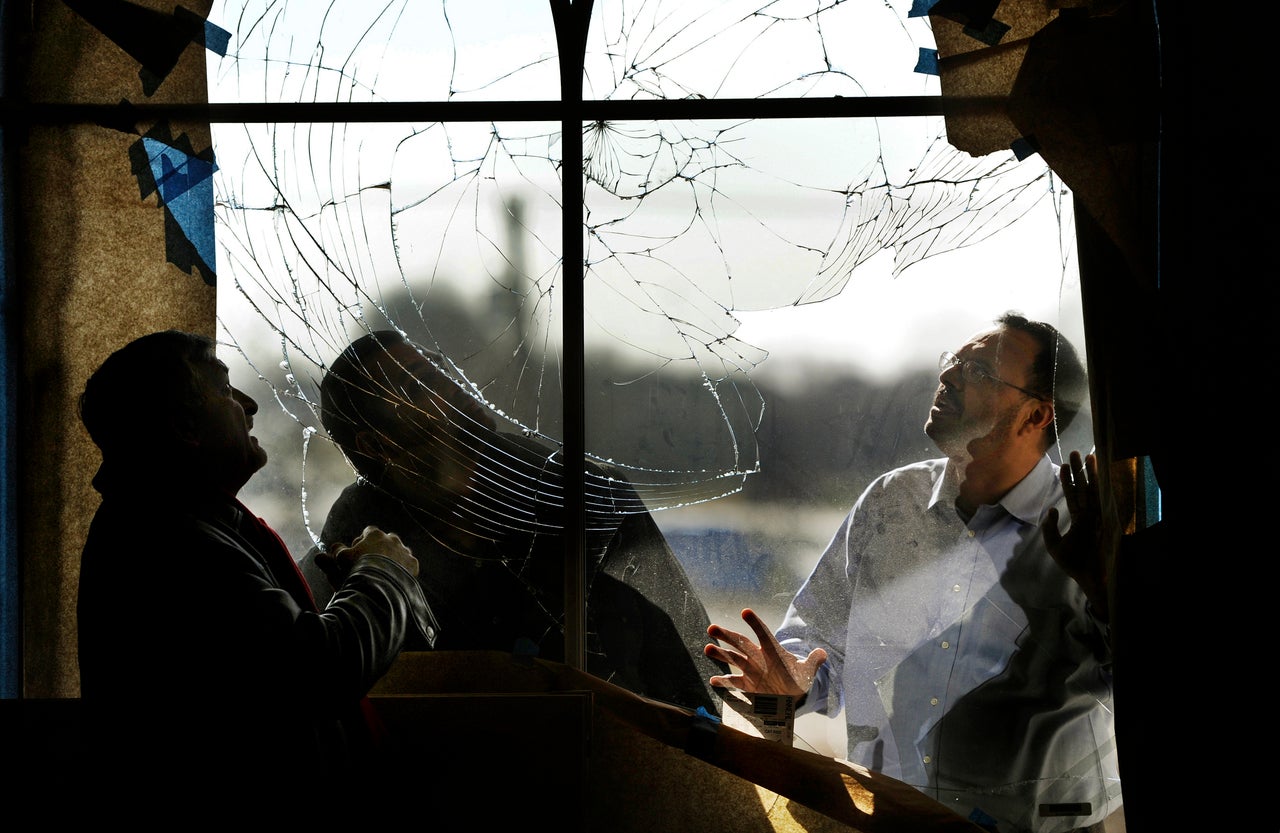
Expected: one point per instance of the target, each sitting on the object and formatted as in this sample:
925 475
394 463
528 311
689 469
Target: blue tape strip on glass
927 62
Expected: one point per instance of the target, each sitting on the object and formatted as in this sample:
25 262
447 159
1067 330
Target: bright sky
879 323
882 324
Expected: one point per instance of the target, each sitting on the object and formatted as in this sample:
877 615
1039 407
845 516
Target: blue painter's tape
185 185
216 38
927 62
702 734
174 171
1023 147
982 819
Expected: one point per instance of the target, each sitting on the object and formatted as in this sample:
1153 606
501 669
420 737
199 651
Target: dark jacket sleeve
377 612
189 644
325 659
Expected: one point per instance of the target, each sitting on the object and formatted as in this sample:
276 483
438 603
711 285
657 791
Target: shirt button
955 588
972 533
945 645
933 701
928 759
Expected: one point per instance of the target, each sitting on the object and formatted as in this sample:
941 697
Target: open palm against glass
765 667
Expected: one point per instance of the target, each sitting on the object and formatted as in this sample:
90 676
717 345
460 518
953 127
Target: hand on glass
1087 551
336 560
766 668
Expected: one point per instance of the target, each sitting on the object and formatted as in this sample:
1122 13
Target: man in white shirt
962 635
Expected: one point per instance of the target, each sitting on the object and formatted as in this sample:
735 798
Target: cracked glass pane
765 302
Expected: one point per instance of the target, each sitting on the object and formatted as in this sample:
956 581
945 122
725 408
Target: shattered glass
765 298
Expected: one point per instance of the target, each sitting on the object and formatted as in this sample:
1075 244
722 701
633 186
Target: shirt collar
1032 496
945 486
1026 501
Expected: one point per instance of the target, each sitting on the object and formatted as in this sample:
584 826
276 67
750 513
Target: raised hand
766 667
336 560
1088 549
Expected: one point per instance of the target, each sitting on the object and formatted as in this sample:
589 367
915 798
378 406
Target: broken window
766 278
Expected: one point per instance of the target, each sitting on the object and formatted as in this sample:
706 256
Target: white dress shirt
964 659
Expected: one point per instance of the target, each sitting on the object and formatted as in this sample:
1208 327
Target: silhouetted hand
766 668
336 560
1088 549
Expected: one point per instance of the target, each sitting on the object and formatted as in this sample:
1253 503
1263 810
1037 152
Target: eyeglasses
975 371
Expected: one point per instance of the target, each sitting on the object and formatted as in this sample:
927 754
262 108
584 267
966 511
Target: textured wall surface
94 263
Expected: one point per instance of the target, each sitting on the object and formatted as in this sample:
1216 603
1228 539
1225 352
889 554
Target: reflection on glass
485 508
765 301
964 659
